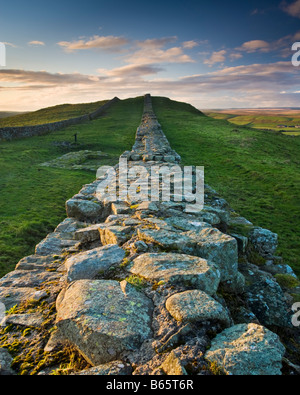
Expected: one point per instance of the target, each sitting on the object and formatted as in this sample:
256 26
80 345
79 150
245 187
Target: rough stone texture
11 297
219 248
84 210
116 368
53 244
27 279
114 234
5 363
27 320
194 306
266 298
172 366
264 241
88 264
87 235
178 269
101 321
247 350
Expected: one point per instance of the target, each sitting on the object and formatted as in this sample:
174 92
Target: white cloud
131 70
36 43
108 43
190 44
255 45
216 57
148 55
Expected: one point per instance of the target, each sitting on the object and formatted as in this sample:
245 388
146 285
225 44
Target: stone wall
11 133
147 288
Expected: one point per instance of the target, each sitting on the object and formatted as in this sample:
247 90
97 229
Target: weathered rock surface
101 321
172 366
5 363
247 350
85 210
27 279
86 265
53 244
178 269
11 297
115 368
264 241
196 306
141 287
266 298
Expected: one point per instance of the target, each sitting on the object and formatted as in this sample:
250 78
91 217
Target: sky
212 54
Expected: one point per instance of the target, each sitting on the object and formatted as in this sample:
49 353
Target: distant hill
5 114
50 114
284 119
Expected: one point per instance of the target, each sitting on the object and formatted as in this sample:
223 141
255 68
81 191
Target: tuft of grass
138 282
287 281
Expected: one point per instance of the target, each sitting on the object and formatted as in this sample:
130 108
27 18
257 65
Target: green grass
257 172
51 114
259 121
32 198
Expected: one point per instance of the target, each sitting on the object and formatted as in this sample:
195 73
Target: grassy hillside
262 120
32 198
51 114
257 172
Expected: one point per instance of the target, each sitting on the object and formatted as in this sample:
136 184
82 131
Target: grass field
262 119
32 198
51 114
257 172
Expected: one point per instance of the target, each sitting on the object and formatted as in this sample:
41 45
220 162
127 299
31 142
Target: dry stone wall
147 288
11 133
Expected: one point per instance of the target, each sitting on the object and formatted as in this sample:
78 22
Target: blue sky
212 54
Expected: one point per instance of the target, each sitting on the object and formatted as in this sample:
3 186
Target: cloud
150 55
107 43
10 44
292 9
235 56
216 57
156 42
134 71
190 44
43 78
36 43
255 85
254 46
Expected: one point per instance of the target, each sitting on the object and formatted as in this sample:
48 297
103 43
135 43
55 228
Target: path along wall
11 133
147 288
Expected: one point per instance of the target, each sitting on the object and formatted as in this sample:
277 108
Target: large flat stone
53 244
102 321
166 239
85 210
114 234
219 248
247 350
86 265
178 269
11 297
196 306
27 278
